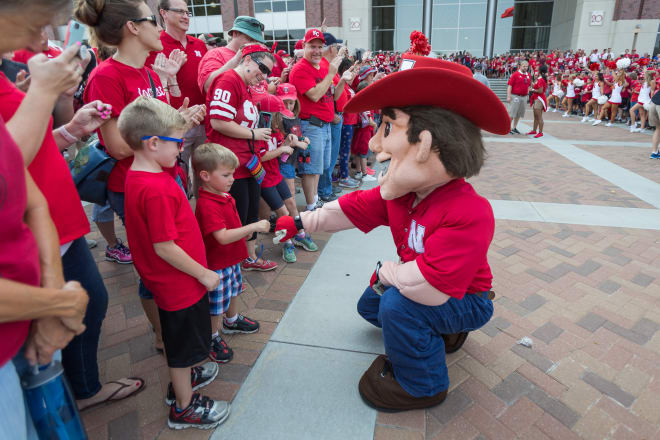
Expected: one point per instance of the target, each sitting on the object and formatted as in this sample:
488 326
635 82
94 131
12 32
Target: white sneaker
368 178
633 129
358 176
554 110
609 124
585 119
565 115
598 121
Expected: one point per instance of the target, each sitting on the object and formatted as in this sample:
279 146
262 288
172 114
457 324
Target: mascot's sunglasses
179 142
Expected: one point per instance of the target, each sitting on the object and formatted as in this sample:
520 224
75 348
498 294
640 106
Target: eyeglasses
264 69
180 11
179 142
152 19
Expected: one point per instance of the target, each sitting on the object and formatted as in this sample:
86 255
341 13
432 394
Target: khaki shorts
654 115
517 106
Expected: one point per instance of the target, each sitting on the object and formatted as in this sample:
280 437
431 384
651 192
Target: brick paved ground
589 297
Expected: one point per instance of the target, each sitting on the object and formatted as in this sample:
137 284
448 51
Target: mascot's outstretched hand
285 229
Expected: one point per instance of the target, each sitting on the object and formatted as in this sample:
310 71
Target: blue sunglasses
165 138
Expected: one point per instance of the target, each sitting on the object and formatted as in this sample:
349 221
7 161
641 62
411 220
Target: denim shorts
102 213
287 170
320 147
231 282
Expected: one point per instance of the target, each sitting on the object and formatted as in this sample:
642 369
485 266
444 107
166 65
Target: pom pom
419 44
577 82
623 63
594 66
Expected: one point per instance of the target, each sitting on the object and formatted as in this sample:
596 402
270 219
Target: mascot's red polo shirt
447 233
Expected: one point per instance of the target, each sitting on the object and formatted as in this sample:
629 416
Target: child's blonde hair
148 117
207 157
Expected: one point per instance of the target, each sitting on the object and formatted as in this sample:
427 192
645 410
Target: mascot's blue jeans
412 334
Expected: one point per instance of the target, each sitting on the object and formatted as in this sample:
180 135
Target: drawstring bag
254 165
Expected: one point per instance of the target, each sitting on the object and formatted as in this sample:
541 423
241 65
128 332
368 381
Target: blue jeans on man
325 181
412 334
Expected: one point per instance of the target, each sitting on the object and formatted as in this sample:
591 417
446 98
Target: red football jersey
229 99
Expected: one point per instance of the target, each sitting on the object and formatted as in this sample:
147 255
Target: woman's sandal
122 386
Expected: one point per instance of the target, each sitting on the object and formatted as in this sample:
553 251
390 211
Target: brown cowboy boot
454 342
380 390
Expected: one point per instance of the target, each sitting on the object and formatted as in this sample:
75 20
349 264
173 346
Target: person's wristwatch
298 222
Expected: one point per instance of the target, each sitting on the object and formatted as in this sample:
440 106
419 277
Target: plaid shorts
231 281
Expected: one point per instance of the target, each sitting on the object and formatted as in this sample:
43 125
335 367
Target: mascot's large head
433 111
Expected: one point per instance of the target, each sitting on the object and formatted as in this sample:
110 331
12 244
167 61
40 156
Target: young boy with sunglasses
169 255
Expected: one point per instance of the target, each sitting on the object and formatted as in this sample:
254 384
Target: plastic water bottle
52 405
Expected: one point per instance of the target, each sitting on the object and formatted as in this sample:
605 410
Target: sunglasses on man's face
180 11
152 19
262 67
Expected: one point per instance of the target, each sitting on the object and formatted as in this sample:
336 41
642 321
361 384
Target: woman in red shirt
232 123
538 101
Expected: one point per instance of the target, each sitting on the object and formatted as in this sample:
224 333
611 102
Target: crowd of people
232 125
613 91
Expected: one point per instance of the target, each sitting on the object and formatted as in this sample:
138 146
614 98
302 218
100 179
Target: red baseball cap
286 91
437 83
274 104
314 34
299 45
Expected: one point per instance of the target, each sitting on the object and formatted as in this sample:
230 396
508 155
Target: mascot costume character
428 143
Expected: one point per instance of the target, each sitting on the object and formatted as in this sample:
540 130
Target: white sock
215 335
316 198
232 319
311 207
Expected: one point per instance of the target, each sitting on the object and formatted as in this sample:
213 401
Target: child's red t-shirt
157 210
215 212
272 166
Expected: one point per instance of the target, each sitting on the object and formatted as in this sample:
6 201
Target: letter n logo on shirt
416 237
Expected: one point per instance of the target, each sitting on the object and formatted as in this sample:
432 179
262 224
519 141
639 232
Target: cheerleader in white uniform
592 104
643 98
613 104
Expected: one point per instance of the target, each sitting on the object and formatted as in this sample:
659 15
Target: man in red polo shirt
439 289
314 83
177 21
246 30
516 93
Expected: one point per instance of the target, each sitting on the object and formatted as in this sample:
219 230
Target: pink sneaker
540 134
119 254
264 266
370 171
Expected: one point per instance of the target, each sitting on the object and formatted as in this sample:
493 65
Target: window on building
531 25
278 5
382 24
202 8
286 39
458 25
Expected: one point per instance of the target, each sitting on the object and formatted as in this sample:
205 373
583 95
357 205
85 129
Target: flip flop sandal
122 387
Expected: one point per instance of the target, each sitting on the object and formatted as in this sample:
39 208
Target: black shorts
276 195
187 334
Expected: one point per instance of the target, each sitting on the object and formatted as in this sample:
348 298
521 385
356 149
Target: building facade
457 25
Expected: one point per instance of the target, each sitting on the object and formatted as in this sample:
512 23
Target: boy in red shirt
168 253
224 239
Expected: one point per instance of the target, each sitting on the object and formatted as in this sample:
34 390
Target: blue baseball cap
330 39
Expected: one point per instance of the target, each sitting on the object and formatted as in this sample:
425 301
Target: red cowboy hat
438 83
